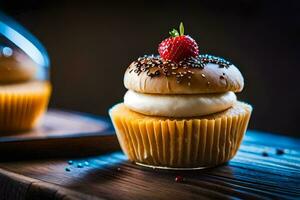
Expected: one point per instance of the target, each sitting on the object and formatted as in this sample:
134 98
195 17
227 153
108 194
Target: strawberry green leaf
181 28
174 33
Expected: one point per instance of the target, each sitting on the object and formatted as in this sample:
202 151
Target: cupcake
23 98
180 110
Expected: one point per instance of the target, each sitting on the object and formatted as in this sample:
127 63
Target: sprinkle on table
67 169
280 151
179 179
265 154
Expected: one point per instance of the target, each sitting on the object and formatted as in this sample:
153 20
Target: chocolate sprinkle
155 66
206 58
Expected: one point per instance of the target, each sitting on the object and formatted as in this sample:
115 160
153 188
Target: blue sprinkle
79 165
86 163
70 162
265 154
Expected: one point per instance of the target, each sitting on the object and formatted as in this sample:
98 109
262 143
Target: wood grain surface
61 133
259 171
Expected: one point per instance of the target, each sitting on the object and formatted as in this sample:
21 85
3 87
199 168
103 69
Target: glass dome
24 77
22 56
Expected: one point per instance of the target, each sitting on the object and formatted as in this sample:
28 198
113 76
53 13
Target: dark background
91 43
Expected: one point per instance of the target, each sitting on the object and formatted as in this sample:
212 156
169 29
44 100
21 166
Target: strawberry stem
175 33
181 29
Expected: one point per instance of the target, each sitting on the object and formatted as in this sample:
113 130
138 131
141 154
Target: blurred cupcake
23 98
180 110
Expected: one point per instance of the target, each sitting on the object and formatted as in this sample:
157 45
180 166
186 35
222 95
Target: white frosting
178 105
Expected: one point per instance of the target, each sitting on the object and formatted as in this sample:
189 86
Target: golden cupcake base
22 104
181 143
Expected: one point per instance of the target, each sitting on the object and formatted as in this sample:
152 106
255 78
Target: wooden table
267 166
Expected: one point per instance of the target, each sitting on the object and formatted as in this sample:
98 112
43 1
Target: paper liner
21 105
181 143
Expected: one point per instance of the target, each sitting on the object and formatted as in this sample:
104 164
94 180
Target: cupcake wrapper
181 143
21 111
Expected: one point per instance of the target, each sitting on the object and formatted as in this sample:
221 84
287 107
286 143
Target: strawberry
178 46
